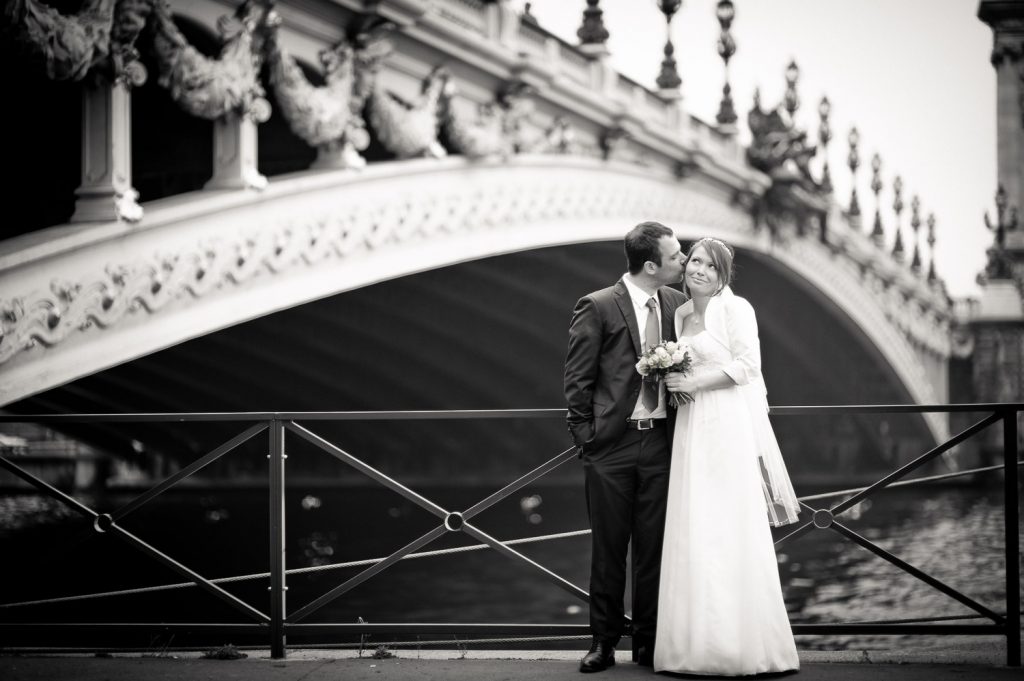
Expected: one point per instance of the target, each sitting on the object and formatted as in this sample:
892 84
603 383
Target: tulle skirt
720 608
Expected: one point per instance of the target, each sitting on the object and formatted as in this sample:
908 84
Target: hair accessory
719 242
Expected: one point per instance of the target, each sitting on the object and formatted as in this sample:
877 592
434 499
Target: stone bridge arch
82 299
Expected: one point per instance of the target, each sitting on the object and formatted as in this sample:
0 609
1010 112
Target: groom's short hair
641 244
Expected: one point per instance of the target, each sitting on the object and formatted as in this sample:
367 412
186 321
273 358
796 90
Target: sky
913 76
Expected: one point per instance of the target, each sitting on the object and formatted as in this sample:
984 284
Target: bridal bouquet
666 357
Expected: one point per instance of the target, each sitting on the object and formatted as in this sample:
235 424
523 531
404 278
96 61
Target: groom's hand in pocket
582 437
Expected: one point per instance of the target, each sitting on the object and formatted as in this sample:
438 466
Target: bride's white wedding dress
720 607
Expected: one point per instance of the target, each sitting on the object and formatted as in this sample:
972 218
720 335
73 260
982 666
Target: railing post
1011 507
277 525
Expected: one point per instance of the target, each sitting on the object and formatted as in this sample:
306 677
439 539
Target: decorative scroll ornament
69 45
329 117
409 130
212 88
122 290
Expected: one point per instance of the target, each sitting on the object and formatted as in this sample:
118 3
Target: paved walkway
446 665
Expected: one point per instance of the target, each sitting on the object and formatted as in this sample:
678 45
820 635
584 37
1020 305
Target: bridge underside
486 334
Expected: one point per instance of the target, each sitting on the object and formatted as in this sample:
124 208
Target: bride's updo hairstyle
721 255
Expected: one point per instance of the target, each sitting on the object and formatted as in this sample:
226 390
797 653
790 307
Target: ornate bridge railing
278 622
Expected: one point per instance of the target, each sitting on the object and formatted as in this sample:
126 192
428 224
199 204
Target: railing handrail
277 424
445 414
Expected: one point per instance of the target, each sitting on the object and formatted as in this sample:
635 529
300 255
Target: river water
954 533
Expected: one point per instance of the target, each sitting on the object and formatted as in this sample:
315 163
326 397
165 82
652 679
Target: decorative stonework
497 130
484 137
101 39
130 19
503 198
124 291
329 117
212 88
124 288
410 130
70 46
881 312
778 148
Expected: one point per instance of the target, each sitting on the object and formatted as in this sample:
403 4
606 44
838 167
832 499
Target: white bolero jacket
730 320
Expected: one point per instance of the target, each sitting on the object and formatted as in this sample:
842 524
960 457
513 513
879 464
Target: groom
621 429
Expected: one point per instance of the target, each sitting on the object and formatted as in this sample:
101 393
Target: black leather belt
643 424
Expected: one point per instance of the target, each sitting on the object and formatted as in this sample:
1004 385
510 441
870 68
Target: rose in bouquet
664 358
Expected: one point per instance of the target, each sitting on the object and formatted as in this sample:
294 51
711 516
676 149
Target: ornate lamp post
668 79
824 136
592 33
726 117
915 224
791 99
931 247
897 206
877 233
1003 222
853 161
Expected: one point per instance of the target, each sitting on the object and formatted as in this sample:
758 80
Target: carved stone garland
212 88
69 45
409 131
491 134
329 117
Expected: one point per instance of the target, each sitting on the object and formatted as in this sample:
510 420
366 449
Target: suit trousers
626 489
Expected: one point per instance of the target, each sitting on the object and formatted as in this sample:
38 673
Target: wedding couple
693 488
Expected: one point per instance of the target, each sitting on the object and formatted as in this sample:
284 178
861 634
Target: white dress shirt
640 298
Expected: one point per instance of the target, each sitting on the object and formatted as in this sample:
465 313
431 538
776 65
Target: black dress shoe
600 657
643 651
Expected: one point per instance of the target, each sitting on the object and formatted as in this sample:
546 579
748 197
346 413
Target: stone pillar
235 154
106 191
1006 18
996 320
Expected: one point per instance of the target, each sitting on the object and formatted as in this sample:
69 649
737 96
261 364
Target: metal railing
278 622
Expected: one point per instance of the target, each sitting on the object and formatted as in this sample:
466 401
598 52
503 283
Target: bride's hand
676 382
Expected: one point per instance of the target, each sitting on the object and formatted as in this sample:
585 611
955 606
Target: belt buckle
644 424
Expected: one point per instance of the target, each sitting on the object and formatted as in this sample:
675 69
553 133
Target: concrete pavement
443 665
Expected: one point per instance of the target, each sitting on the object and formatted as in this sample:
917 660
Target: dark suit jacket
601 381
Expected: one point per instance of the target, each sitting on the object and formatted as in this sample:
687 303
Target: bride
721 609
